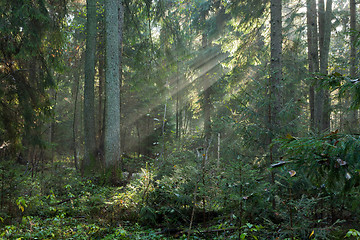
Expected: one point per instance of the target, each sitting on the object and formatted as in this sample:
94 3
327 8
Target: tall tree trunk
275 64
100 129
353 58
324 44
120 32
101 92
112 88
352 38
207 113
207 92
313 59
275 94
89 96
52 127
74 129
177 106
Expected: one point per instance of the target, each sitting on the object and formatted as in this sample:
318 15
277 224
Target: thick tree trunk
313 59
324 44
353 58
101 91
352 39
120 33
100 129
275 84
275 64
112 88
89 96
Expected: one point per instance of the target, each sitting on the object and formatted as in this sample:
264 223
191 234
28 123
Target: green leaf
243 235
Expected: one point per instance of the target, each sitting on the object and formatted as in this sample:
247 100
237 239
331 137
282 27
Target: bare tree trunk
207 113
112 108
101 93
52 128
324 44
74 130
275 81
353 38
120 32
353 58
207 92
313 59
100 128
177 106
275 64
89 96
218 153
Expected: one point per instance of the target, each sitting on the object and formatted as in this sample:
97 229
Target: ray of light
204 67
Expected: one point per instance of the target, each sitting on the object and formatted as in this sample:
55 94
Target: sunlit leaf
347 176
312 233
288 136
336 74
292 173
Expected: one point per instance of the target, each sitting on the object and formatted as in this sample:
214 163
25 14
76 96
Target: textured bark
352 39
275 81
324 44
74 129
207 113
101 89
353 58
275 64
53 127
89 96
313 59
120 33
101 71
112 89
177 106
207 92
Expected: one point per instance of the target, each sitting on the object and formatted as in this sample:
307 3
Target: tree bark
101 91
275 84
89 96
112 88
120 33
353 58
101 71
74 129
313 59
352 39
324 44
207 91
275 64
177 106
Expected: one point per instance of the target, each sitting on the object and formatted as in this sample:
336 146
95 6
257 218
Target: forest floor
59 204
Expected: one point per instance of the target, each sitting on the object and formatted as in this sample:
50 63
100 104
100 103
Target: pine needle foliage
329 160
